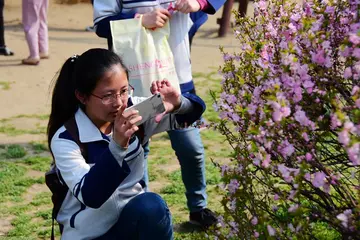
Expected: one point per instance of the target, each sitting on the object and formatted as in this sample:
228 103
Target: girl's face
110 93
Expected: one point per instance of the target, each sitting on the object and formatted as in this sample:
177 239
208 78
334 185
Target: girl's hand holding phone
125 126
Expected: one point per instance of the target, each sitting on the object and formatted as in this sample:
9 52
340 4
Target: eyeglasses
111 98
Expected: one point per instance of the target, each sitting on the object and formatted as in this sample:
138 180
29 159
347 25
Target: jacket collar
88 132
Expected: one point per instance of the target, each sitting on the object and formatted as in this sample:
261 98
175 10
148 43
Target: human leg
190 152
30 14
144 217
43 30
2 38
3 49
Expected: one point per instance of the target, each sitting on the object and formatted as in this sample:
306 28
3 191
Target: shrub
290 109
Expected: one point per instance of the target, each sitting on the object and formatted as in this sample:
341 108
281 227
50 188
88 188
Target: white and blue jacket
180 24
101 186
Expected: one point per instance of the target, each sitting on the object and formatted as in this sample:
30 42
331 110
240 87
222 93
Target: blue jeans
190 152
144 217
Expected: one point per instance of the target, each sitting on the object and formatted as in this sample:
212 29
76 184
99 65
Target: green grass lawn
25 205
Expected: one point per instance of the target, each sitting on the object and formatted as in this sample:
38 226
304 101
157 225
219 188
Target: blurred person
34 17
3 49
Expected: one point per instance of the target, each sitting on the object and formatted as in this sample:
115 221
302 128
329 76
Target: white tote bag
146 53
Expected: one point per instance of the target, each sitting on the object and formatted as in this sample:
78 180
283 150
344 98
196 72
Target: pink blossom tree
290 109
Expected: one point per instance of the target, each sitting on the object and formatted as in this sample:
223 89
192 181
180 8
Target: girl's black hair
80 73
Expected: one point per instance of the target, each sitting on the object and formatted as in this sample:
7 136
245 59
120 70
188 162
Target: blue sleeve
198 18
190 117
214 5
102 180
103 27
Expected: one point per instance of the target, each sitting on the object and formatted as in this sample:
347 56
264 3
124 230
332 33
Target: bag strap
73 130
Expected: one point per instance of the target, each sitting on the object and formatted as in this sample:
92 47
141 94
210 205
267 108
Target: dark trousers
144 217
2 40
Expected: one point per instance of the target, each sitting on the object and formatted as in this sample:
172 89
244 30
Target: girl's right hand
156 18
125 126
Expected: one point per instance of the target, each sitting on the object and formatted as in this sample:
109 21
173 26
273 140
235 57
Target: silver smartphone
148 108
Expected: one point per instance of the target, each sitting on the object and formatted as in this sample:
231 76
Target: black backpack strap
73 129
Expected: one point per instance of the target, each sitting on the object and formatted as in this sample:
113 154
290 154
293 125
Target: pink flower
256 234
262 5
308 85
292 28
326 45
276 116
335 122
354 154
285 111
286 149
357 103
345 52
271 230
283 45
234 117
266 162
298 94
356 53
293 208
344 138
271 29
319 179
279 112
355 39
295 17
330 10
355 27
233 186
252 109
305 136
301 118
319 57
254 221
317 25
344 219
227 57
347 73
276 197
355 90
308 157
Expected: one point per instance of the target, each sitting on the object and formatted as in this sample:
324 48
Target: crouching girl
106 199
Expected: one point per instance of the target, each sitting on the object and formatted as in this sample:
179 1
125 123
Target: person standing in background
187 143
3 49
34 17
